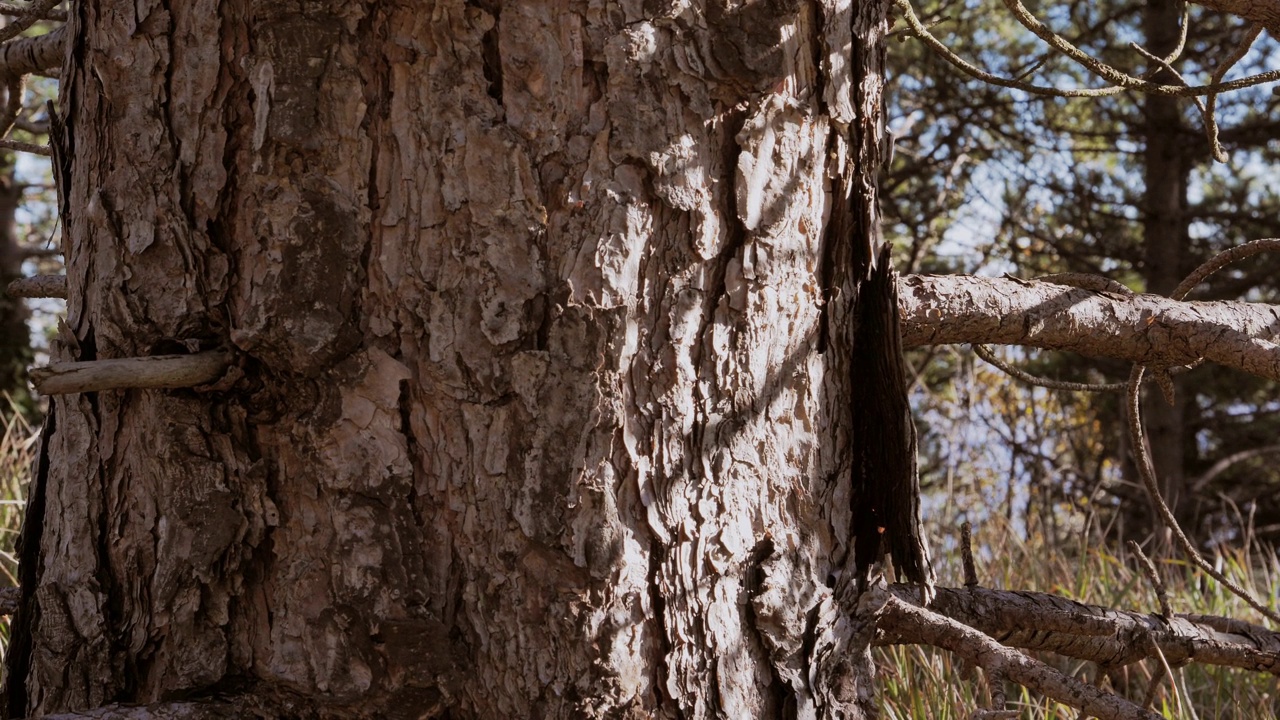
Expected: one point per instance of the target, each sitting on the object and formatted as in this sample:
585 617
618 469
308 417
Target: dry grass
17 449
919 683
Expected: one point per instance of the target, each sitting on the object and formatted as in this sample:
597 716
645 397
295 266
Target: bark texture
1141 328
542 316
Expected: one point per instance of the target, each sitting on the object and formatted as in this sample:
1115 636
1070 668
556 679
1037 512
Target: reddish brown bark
535 368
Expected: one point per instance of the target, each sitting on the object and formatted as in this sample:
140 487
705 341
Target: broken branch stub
159 371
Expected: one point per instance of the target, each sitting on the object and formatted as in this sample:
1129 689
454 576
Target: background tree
1125 185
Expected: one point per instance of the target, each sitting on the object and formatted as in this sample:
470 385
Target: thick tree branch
39 286
1145 329
1111 638
901 616
1264 12
33 54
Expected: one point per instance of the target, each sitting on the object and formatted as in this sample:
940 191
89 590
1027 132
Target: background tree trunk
15 336
1167 163
543 400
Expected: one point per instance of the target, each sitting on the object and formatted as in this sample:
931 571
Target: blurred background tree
995 181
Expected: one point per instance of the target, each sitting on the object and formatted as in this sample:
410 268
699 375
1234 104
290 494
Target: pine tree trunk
1166 246
15 338
541 405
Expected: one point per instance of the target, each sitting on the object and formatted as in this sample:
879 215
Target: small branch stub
39 286
159 371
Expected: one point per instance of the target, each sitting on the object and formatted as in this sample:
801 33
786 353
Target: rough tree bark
543 323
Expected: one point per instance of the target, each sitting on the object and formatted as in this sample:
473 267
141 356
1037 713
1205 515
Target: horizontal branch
927 626
33 54
158 371
1111 638
1263 12
39 286
1146 329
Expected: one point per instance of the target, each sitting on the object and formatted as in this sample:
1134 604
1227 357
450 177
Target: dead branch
1264 12
39 286
32 54
902 617
158 371
1040 621
1145 329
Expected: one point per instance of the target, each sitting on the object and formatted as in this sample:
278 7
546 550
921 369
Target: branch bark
39 286
1264 12
1145 329
1111 638
931 628
32 54
159 371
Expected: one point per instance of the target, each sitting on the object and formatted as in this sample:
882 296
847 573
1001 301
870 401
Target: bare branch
1210 122
920 31
26 147
901 616
1264 12
39 286
33 54
986 354
1138 441
1118 77
36 12
1051 623
1119 80
1140 328
11 9
1223 464
158 371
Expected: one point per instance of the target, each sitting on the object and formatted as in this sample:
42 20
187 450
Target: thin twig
1146 470
16 88
985 353
966 554
26 147
1120 78
1149 568
1210 123
920 31
1126 81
